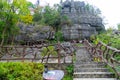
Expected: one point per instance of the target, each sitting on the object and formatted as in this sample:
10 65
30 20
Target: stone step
93 75
89 65
91 70
94 79
86 69
89 62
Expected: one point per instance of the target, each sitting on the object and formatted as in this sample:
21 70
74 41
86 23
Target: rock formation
85 21
29 33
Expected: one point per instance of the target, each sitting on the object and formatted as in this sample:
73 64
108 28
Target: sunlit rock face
85 20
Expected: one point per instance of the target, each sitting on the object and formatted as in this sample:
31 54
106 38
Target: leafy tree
51 16
27 18
11 12
30 5
37 17
48 16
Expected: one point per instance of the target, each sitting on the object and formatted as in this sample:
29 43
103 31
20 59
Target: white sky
110 9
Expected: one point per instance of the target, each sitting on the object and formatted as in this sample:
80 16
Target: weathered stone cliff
29 33
85 21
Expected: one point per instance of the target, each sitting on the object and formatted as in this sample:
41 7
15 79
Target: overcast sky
110 9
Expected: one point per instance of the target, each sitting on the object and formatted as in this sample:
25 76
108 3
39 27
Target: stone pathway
86 69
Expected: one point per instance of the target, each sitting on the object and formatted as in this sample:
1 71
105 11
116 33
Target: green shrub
59 36
69 74
70 69
21 71
68 77
107 37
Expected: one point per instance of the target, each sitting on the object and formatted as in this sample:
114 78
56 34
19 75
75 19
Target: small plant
70 69
69 75
47 52
50 50
59 36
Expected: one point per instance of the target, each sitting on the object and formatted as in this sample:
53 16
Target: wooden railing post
106 55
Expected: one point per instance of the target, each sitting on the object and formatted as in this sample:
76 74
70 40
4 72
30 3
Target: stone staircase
86 69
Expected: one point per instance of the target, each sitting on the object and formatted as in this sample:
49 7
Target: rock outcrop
78 31
29 33
85 20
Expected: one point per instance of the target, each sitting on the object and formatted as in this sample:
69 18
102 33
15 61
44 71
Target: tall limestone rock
85 21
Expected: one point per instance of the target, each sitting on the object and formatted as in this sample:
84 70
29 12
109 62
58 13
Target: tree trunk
3 36
48 58
12 42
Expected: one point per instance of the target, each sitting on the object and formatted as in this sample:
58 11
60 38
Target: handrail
19 52
104 53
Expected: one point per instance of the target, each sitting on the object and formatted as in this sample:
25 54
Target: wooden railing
104 53
39 53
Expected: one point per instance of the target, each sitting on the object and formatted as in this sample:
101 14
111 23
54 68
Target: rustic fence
38 53
104 53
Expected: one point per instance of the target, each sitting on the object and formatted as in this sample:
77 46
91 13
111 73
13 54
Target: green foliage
37 17
27 18
52 17
49 50
117 57
65 20
70 69
10 15
30 5
21 71
47 16
59 36
107 37
69 75
79 44
117 68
